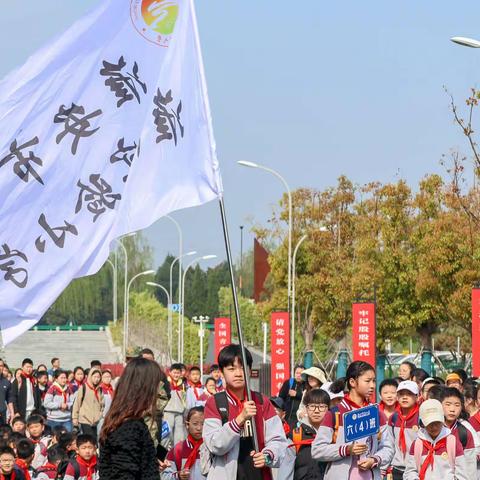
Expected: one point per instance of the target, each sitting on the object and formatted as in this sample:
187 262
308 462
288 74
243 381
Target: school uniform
54 399
185 455
474 421
329 446
22 470
404 429
46 472
174 411
230 445
41 451
305 467
439 459
194 396
469 442
85 470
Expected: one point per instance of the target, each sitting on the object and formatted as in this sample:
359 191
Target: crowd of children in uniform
50 419
429 428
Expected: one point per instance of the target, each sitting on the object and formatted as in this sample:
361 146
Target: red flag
280 337
223 334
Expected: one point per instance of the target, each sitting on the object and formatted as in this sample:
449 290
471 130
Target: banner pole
237 314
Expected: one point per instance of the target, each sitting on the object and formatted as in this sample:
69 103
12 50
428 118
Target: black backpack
62 469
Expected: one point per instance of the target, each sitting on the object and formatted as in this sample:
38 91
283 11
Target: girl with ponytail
358 460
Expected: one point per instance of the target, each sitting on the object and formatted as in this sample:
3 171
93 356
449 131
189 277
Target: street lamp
157 285
193 252
125 280
180 256
182 326
466 42
292 361
201 333
290 226
125 333
114 289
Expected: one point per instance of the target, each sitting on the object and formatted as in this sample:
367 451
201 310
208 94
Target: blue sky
313 89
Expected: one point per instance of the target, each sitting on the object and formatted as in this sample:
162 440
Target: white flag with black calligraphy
102 132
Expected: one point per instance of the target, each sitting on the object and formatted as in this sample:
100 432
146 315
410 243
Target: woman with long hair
127 451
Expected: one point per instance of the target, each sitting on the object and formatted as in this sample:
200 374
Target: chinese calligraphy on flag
476 332
102 132
223 334
364 333
280 350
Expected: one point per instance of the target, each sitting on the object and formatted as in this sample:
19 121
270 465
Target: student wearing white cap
314 377
404 424
435 454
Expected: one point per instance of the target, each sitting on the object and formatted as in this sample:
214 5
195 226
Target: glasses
314 407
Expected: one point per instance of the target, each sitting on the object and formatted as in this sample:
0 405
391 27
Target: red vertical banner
364 335
476 332
280 338
223 334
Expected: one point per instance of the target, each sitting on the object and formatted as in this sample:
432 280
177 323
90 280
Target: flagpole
237 314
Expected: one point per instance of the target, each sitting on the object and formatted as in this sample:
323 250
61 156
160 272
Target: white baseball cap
326 388
408 385
431 411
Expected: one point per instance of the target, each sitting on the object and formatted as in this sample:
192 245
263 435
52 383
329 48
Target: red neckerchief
286 428
12 476
90 465
431 455
194 386
107 389
194 454
352 404
404 419
23 467
32 379
60 391
94 390
381 406
76 383
176 387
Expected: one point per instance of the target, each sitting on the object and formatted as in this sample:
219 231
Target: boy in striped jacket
227 431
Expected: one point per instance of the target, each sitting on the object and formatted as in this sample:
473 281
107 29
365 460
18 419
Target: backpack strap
336 413
393 420
76 468
84 389
452 450
297 438
417 453
177 455
221 402
462 434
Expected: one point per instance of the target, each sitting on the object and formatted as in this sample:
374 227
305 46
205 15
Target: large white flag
102 132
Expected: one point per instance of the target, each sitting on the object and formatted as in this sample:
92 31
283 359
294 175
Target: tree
162 277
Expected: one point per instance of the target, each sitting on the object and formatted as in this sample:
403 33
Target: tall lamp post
244 163
114 269
180 256
466 42
294 268
125 281
182 326
161 287
125 333
201 333
193 252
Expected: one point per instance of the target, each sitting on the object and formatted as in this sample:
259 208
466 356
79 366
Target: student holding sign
353 460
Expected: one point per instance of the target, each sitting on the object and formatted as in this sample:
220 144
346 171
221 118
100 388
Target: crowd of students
171 425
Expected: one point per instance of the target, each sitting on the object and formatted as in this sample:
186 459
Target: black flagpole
237 315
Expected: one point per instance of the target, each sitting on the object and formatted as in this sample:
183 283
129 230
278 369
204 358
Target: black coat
291 403
128 453
306 468
19 397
